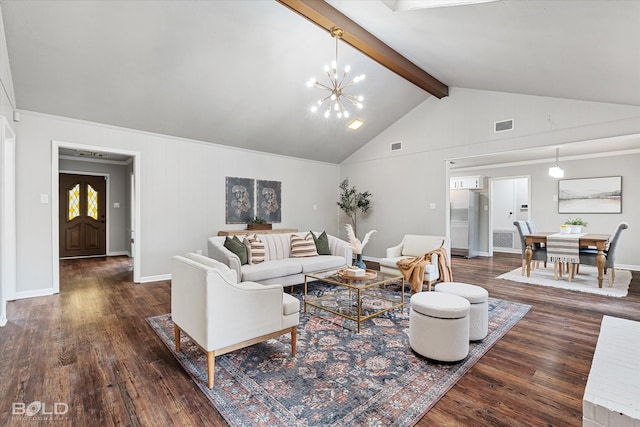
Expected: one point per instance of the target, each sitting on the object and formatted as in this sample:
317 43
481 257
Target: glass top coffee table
355 298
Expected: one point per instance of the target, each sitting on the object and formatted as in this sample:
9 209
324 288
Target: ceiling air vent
395 146
503 126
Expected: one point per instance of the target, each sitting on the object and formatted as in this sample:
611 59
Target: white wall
404 183
182 192
118 192
7 101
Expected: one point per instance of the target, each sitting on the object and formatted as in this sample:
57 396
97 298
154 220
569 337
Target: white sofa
221 315
279 267
412 246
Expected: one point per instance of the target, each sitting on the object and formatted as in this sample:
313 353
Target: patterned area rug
338 377
585 281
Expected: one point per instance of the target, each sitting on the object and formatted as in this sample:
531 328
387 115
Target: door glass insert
92 202
74 202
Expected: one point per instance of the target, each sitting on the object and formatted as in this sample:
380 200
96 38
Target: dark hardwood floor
90 348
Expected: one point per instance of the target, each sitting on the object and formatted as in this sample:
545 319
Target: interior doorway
134 157
82 201
510 201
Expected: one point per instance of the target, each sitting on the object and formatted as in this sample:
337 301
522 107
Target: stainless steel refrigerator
465 217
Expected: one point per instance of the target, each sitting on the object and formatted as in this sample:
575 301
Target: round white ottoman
439 326
478 313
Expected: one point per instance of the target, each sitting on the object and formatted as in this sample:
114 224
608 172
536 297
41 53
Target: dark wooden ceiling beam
327 17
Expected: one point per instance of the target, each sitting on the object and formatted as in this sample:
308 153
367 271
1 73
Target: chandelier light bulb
326 68
326 114
336 107
346 114
314 108
334 65
359 105
360 98
347 69
339 115
333 96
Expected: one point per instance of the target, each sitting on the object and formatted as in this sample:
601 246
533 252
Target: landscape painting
590 195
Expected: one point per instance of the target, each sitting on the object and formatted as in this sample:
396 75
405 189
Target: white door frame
55 171
8 241
491 200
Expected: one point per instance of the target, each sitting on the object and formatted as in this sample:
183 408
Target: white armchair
220 315
413 246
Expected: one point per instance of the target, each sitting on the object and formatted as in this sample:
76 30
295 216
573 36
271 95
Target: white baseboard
628 267
118 253
159 278
33 294
3 320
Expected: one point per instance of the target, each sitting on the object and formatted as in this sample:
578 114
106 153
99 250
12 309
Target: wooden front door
82 215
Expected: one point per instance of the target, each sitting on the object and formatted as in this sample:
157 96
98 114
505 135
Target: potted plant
576 224
258 223
353 203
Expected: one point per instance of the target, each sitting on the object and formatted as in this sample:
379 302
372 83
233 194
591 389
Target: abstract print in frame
590 195
240 199
269 205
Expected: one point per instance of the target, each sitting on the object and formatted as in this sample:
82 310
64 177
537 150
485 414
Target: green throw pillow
237 247
322 243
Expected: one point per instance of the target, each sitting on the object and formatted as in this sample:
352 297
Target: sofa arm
341 248
395 251
217 251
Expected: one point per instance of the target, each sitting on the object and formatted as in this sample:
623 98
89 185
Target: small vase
359 262
576 229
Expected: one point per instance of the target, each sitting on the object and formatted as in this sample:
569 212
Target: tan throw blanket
413 268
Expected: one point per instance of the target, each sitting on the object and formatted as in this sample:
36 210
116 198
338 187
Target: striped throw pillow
302 247
255 247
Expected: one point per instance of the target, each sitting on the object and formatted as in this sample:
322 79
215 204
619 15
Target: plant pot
259 226
359 262
576 229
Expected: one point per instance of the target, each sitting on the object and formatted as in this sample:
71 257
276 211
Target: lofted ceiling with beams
234 72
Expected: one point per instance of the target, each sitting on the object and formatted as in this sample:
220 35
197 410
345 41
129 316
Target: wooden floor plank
91 347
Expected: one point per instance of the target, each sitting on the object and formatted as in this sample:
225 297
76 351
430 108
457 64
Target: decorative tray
347 274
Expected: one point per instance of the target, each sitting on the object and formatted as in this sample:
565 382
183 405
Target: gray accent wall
118 190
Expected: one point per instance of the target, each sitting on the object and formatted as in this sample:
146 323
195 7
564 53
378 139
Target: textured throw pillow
303 246
255 248
322 243
237 247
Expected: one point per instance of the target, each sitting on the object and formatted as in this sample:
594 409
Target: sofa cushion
237 247
322 243
416 245
255 249
271 269
303 246
290 304
393 263
276 245
323 262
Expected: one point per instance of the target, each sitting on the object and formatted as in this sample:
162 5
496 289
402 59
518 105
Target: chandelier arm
321 86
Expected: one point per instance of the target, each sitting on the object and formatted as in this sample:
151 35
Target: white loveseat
412 246
221 315
279 267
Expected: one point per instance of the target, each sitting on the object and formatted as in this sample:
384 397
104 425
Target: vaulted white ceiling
234 72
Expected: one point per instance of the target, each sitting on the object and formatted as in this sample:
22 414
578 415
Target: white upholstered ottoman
439 326
478 313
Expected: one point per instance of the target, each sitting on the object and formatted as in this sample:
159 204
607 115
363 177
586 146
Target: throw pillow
322 243
255 249
237 247
303 246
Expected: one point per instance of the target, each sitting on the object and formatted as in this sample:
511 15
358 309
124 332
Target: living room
181 180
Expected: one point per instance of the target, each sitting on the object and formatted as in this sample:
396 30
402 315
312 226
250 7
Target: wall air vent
503 126
395 146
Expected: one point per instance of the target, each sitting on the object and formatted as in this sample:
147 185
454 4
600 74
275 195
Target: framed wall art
240 196
590 195
269 200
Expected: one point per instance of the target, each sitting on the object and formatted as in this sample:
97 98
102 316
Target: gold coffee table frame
357 286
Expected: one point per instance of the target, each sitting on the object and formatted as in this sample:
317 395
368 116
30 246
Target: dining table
599 241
